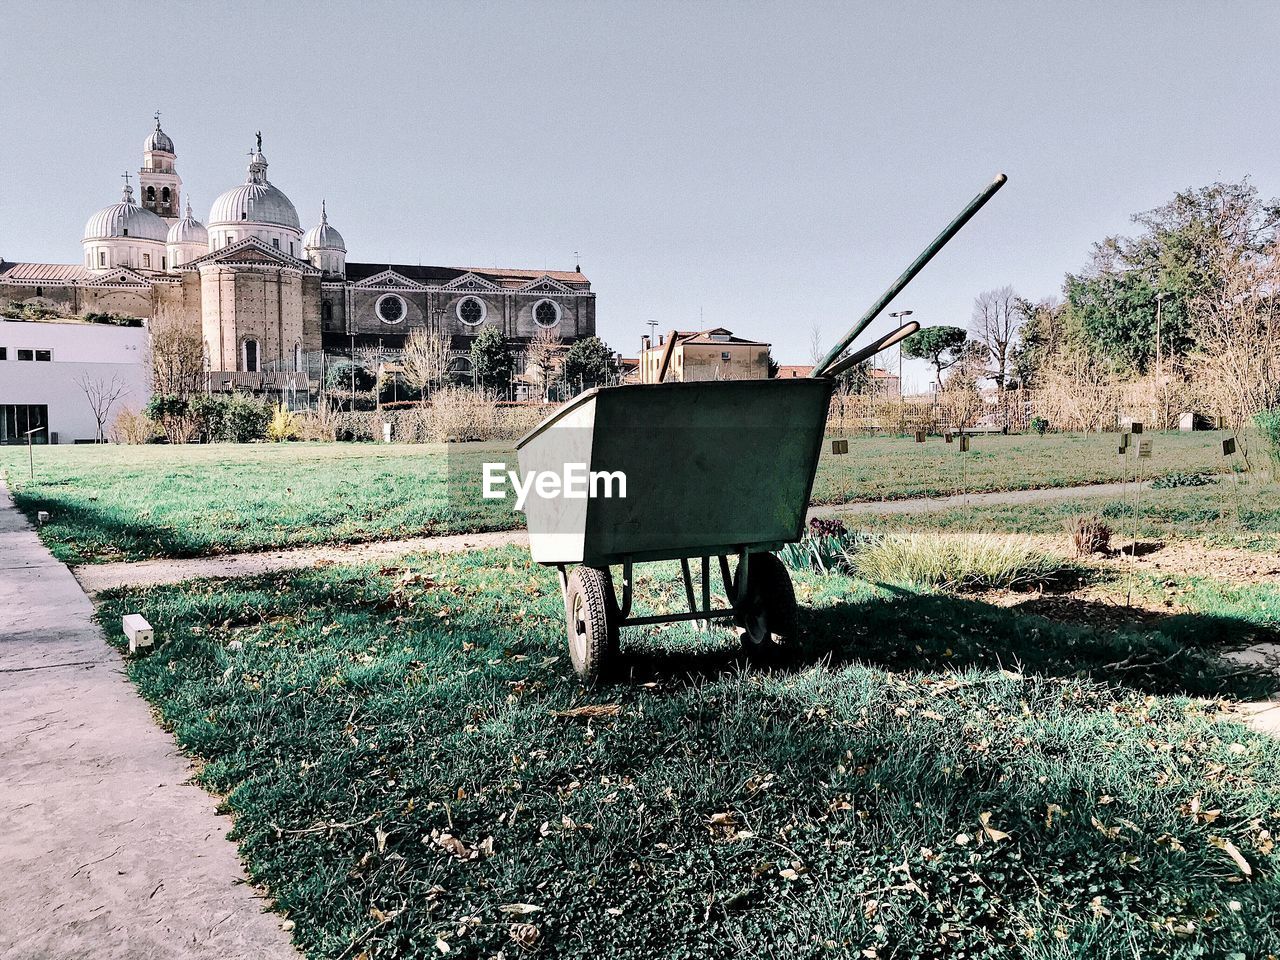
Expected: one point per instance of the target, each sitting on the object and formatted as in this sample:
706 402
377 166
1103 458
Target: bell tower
158 180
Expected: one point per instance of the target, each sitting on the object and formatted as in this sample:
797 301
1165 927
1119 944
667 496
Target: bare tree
1236 327
816 350
543 358
102 395
177 357
997 315
425 361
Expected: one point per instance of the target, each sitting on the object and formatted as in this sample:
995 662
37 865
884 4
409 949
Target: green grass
1244 514
389 746
130 503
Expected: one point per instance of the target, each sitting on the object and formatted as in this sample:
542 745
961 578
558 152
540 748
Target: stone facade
262 295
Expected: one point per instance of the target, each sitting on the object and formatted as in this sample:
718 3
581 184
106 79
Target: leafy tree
942 346
491 360
338 377
588 363
1134 285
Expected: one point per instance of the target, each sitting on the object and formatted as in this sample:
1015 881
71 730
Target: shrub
1171 480
460 413
1268 424
318 425
283 424
133 427
825 547
955 562
1089 534
1040 425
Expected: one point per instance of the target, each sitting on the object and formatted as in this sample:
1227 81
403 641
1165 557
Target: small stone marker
839 446
42 517
139 632
919 436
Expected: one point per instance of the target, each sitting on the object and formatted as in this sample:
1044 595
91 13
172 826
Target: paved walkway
108 851
144 573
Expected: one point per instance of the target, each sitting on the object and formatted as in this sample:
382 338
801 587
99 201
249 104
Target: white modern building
59 378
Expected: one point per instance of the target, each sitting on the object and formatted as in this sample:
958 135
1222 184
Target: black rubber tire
591 610
767 619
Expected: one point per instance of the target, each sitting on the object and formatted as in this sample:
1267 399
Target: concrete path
143 573
108 851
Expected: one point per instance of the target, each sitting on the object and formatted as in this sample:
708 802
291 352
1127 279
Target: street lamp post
898 315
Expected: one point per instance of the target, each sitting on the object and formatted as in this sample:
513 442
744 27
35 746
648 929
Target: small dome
159 140
322 236
188 230
256 200
126 219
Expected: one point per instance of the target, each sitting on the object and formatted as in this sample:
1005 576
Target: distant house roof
875 373
796 370
716 335
51 273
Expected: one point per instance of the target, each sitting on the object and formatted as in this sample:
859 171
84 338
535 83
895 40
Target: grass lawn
1227 513
130 503
929 777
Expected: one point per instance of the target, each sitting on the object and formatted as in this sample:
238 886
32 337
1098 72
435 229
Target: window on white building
102 258
146 260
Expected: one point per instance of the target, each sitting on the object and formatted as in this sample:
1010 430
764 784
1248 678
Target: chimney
644 342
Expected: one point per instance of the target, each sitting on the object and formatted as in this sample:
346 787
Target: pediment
250 250
471 281
388 280
545 284
119 277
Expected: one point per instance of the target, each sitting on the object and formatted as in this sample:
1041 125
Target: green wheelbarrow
687 471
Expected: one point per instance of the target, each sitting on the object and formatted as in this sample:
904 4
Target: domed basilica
264 294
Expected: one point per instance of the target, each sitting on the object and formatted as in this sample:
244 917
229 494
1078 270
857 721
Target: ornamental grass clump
1089 534
970 561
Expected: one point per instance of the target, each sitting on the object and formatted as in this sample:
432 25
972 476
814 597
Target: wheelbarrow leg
706 589
688 590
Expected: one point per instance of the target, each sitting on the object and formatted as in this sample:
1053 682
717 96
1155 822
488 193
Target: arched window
460 369
164 194
151 194
249 354
297 357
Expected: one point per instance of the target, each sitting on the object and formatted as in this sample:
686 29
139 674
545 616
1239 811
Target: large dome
126 219
256 200
188 230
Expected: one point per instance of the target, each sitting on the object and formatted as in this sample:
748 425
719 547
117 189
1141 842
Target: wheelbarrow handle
972 207
871 349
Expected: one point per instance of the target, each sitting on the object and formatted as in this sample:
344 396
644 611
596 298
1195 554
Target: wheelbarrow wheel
592 612
767 618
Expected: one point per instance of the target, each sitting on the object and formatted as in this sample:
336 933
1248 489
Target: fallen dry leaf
1229 848
992 833
519 908
589 711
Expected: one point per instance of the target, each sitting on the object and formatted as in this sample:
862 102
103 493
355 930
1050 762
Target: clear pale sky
763 167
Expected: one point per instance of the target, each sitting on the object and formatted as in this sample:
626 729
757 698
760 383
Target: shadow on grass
907 631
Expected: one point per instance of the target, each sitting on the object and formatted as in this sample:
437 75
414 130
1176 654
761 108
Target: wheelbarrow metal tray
711 468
